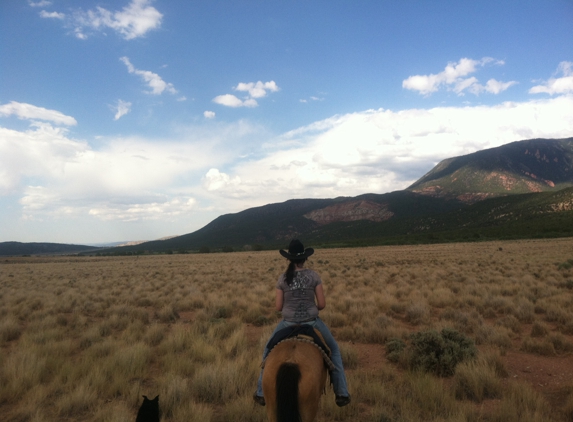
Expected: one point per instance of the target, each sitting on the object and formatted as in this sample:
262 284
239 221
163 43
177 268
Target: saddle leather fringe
307 339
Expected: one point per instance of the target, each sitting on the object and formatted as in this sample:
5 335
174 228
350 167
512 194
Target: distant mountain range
520 190
38 248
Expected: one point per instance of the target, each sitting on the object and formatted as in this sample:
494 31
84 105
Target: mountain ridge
522 189
534 165
526 163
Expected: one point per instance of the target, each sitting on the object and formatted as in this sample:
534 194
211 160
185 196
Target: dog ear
156 398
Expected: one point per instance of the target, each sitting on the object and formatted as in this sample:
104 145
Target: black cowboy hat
296 250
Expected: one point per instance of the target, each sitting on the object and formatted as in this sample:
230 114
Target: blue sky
138 119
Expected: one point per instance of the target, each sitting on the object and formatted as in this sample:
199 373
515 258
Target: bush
439 353
394 349
539 329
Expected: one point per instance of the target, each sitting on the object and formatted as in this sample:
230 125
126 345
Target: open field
82 338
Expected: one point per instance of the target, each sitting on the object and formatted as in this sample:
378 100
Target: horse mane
288 377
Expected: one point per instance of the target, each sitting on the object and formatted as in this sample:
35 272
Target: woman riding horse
296 292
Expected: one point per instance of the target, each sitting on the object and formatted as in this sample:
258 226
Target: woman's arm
279 299
320 299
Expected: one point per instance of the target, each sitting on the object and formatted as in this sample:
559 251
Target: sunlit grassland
82 338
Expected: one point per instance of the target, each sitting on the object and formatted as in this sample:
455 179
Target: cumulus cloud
125 179
133 21
229 100
557 85
495 87
128 179
209 114
153 80
31 112
255 90
40 151
383 150
121 109
454 78
136 179
215 180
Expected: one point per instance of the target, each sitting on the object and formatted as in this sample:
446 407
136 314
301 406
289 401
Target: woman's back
298 300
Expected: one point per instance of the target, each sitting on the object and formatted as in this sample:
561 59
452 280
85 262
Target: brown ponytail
290 272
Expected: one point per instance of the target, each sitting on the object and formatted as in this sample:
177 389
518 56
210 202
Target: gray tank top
299 304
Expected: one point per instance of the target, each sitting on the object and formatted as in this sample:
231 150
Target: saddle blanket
299 330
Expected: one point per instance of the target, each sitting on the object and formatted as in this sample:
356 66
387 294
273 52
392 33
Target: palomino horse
293 380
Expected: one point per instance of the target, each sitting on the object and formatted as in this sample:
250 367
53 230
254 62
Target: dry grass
84 338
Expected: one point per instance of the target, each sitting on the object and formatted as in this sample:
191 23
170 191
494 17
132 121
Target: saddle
302 332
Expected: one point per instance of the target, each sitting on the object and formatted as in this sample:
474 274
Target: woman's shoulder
311 273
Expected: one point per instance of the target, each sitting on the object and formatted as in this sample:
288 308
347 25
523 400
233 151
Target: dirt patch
187 316
370 356
549 375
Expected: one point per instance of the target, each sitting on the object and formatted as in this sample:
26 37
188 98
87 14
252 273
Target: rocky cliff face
351 211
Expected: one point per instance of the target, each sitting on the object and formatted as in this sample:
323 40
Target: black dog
149 410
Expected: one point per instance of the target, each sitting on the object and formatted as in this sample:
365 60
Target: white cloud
495 87
31 112
215 180
562 85
52 15
124 179
312 98
151 211
135 179
153 80
42 3
229 100
382 150
133 21
255 89
209 114
121 109
453 77
42 151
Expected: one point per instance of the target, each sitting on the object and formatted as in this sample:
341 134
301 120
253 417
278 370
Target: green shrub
439 353
394 349
567 265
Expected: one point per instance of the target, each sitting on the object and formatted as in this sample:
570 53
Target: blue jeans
337 375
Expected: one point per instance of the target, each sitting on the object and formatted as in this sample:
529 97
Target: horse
293 380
